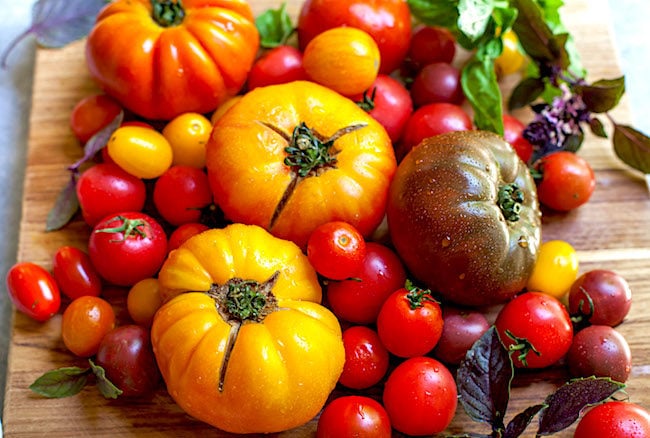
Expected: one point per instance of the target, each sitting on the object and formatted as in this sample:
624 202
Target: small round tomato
184 232
381 274
568 181
279 65
91 114
181 193
511 59
536 328
223 108
127 248
336 250
431 44
555 270
420 396
366 358
344 59
410 322
601 351
75 274
143 300
353 416
85 322
600 297
460 330
33 291
187 135
614 419
513 131
437 82
140 151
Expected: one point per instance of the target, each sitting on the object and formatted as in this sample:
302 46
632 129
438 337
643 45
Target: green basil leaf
602 95
106 387
435 12
533 32
65 206
62 382
597 127
632 147
474 16
481 88
526 92
275 27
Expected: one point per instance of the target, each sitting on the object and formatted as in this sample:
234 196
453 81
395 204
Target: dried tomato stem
510 197
168 13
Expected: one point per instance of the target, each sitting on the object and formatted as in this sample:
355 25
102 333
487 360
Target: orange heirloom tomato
291 157
161 58
251 350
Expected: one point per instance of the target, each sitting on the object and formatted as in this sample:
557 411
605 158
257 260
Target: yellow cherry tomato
221 109
555 270
143 301
187 134
140 151
511 59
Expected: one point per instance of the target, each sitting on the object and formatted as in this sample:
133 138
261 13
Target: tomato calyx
417 296
168 13
128 228
521 345
367 102
509 198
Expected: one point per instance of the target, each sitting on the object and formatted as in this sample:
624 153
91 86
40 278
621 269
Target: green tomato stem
168 13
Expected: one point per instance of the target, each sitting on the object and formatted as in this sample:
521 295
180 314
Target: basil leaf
597 127
62 382
275 27
526 92
435 12
602 95
474 16
106 387
533 33
481 88
65 206
520 422
632 147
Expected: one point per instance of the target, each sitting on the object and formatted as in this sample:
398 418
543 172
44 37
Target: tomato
513 131
75 274
430 44
437 82
601 351
160 59
85 322
388 102
511 59
387 21
344 59
143 300
461 329
420 396
336 250
354 416
184 232
33 291
410 322
568 181
601 297
382 274
614 419
142 152
463 216
181 194
257 346
536 328
126 356
555 270
187 135
366 358
91 114
127 248
105 189
221 109
279 65
260 175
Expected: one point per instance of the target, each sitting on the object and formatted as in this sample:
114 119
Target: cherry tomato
181 193
555 270
410 322
511 59
437 82
601 297
366 358
105 188
140 151
33 291
513 131
382 274
75 274
127 248
91 114
460 330
430 44
279 65
223 108
536 328
336 250
187 135
184 232
601 351
143 300
420 396
85 322
353 416
614 419
568 181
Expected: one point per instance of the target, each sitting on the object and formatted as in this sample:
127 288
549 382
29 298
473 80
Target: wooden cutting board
610 232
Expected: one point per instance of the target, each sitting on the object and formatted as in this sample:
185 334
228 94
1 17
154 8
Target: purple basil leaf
632 147
98 141
520 422
65 206
525 92
533 32
602 95
597 127
566 403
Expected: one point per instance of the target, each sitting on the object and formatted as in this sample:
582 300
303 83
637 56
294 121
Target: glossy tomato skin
85 322
187 135
353 415
513 130
461 329
279 65
568 181
336 250
600 296
181 194
366 358
614 419
143 301
555 270
33 291
141 151
430 44
75 274
437 82
387 21
190 70
91 114
184 232
601 351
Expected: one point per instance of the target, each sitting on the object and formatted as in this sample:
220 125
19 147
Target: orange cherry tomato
143 301
187 134
91 114
85 322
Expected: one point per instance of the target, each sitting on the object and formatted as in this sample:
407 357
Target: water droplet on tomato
446 241
522 242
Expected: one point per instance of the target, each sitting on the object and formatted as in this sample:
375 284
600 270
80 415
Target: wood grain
610 232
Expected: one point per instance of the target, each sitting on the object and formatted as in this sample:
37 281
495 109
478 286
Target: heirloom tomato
463 215
160 59
247 347
293 156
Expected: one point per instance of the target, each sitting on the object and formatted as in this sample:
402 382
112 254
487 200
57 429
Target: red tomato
600 297
353 416
279 65
430 44
33 291
184 232
75 274
410 322
336 250
127 247
614 419
537 328
567 181
387 21
420 396
366 358
513 131
181 193
382 274
85 322
437 82
91 114
601 351
460 330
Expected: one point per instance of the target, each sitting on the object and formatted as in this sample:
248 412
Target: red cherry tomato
91 114
336 250
601 351
513 131
437 82
366 358
181 193
614 419
460 330
568 181
431 44
279 65
184 232
600 297
75 274
33 291
353 416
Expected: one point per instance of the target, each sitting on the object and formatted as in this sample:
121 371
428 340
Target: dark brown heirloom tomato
463 215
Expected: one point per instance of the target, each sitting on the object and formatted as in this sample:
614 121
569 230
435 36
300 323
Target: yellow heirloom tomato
250 350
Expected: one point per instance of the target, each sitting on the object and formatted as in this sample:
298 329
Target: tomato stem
168 13
417 296
367 102
523 346
128 227
510 197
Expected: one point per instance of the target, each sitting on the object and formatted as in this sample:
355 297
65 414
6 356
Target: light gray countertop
629 18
